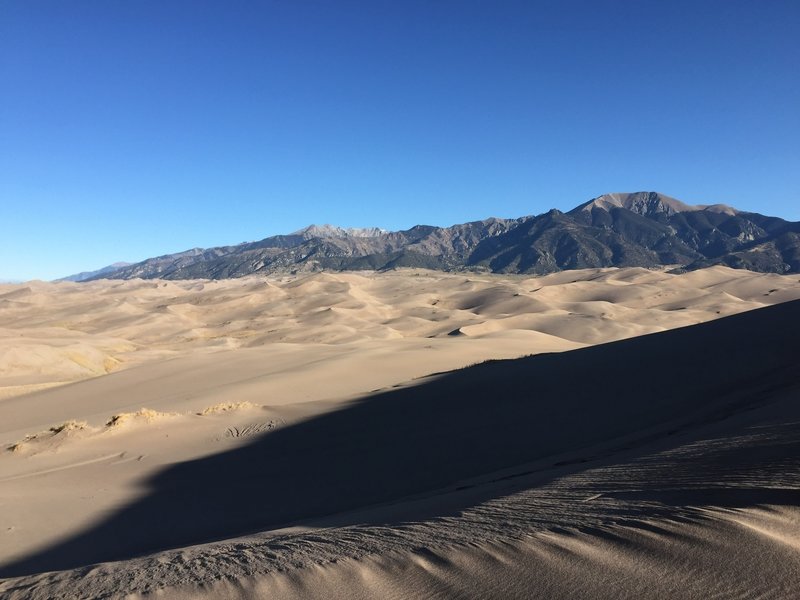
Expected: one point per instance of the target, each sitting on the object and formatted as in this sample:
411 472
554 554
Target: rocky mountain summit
320 231
644 229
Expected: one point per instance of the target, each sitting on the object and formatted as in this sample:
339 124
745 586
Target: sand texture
636 435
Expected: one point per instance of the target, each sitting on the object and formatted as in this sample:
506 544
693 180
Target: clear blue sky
135 128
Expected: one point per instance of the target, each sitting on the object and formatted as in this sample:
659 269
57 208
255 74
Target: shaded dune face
451 428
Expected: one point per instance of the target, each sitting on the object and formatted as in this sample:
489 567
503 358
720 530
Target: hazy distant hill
97 274
644 229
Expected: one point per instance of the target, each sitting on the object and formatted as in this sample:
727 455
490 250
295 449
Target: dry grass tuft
65 428
68 426
226 407
146 415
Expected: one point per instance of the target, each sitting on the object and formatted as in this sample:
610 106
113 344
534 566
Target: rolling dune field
634 433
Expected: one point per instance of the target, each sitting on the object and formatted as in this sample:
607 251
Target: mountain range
644 229
97 274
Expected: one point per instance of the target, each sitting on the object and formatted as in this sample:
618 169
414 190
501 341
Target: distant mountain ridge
650 204
318 231
644 229
86 275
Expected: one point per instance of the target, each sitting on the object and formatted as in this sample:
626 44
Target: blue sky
130 129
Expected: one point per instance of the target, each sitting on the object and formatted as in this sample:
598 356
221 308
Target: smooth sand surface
280 435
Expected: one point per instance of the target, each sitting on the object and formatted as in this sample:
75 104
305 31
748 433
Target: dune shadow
447 429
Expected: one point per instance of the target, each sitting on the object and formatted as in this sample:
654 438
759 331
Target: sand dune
52 333
297 408
653 559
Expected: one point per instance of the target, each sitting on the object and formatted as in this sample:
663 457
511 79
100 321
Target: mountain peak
650 204
326 230
644 229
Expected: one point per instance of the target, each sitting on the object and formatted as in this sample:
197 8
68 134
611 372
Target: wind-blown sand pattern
279 438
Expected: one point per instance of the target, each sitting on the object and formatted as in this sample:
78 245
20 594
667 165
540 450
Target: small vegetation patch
224 407
51 435
146 415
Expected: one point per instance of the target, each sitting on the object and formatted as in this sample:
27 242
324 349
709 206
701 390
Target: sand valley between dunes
219 437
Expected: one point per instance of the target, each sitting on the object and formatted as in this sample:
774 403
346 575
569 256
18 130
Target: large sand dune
291 446
51 333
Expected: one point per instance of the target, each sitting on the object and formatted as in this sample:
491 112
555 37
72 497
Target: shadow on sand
447 429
